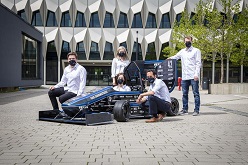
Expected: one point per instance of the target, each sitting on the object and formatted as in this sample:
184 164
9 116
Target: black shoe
63 115
183 112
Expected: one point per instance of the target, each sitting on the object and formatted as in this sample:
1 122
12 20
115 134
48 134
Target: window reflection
151 21
94 20
151 52
81 51
51 19
108 51
80 21
137 22
123 22
94 51
30 56
108 21
165 21
36 19
22 14
133 58
66 19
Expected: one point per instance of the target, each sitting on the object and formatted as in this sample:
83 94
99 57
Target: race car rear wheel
174 107
121 110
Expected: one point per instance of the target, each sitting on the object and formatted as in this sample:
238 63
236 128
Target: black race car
102 105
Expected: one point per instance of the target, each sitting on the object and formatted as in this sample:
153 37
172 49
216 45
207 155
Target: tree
240 52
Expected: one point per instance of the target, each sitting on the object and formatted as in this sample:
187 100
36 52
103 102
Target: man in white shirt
158 98
191 65
74 77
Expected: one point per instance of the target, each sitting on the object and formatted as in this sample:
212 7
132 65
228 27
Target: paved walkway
218 136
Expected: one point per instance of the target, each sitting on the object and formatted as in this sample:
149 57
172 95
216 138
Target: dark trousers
62 94
157 106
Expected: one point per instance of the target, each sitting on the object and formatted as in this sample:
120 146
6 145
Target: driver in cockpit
121 83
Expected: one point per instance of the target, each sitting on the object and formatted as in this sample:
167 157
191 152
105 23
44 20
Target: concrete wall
12 28
229 88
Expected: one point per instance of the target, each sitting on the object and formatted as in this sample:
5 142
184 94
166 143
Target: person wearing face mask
119 63
191 65
74 77
121 83
157 98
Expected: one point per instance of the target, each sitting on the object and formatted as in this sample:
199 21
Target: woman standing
119 63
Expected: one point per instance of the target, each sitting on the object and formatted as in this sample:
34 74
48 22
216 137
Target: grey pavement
219 135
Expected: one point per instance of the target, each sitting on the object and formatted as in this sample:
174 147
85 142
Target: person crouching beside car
157 98
121 83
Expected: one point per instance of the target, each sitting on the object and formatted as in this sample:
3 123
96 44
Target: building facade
96 28
21 63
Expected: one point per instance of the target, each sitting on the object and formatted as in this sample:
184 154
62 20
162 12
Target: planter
228 88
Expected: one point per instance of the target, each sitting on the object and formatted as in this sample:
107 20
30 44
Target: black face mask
121 54
72 62
151 80
120 81
188 44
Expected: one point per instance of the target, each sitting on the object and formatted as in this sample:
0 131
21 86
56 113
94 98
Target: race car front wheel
174 107
121 111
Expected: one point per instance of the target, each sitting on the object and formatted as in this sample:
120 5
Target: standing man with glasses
74 77
191 65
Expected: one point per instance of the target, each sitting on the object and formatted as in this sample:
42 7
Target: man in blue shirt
74 77
158 98
191 65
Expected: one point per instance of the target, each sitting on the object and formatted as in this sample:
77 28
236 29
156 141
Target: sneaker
195 113
183 112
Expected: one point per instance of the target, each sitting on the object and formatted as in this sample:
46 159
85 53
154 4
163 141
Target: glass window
133 58
108 52
51 19
165 21
81 51
36 19
150 52
137 22
178 17
66 19
108 21
151 21
22 14
80 21
65 49
94 51
51 64
162 57
124 44
94 20
123 22
30 59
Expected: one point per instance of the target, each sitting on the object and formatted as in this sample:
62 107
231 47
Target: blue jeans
195 89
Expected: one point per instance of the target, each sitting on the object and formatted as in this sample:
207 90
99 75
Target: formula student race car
102 105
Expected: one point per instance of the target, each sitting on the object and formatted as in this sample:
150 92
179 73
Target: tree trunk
213 68
201 77
227 69
221 68
242 74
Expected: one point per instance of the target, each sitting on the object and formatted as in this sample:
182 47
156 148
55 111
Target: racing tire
174 107
121 111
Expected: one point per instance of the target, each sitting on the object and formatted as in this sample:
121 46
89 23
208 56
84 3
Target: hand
196 78
52 88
